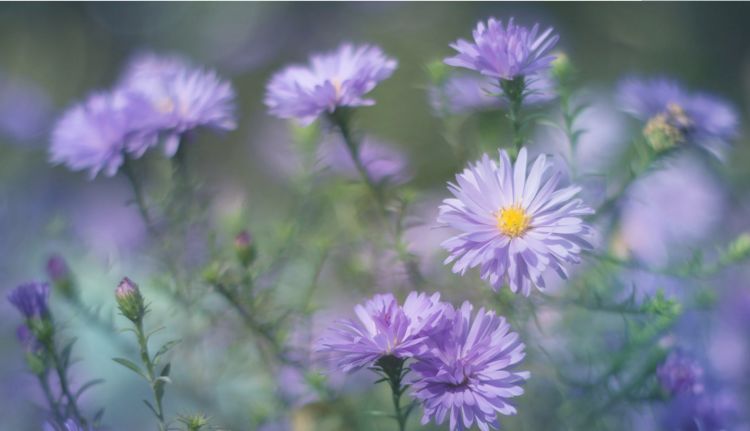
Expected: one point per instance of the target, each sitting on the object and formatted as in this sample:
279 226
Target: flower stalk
514 91
393 371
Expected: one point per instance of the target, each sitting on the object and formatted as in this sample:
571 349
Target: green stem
62 376
146 359
394 371
513 90
135 185
44 383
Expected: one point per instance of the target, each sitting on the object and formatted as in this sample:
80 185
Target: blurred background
53 55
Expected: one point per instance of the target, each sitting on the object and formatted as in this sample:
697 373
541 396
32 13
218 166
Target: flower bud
244 246
438 71
562 68
129 300
31 299
59 273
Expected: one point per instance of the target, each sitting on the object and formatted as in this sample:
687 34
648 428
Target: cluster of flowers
157 99
462 362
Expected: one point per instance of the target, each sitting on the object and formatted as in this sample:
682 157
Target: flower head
385 328
57 268
244 247
463 93
680 374
93 135
468 375
180 98
505 52
674 116
382 162
514 225
129 300
331 80
31 299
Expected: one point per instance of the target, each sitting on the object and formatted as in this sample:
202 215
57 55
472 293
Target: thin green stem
138 196
54 408
514 90
62 377
394 372
153 382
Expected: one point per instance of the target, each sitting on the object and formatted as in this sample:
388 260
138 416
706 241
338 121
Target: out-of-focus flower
31 299
505 52
68 425
244 246
468 376
384 328
25 110
181 98
680 374
705 412
93 135
294 387
648 228
382 162
340 78
60 276
514 225
674 116
462 93
27 339
129 300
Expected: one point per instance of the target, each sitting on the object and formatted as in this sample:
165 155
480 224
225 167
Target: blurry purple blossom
383 163
333 79
31 299
680 374
678 115
505 52
25 110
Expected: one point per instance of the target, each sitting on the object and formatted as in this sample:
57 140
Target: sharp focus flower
675 116
680 374
515 225
93 135
464 93
468 376
383 163
31 299
180 97
505 52
384 328
129 300
331 80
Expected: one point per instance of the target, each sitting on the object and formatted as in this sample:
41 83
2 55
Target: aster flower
514 225
181 98
93 135
468 376
680 374
382 162
674 116
505 52
340 78
463 93
31 299
385 328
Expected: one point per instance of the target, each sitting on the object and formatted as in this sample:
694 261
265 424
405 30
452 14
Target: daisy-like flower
505 52
514 225
469 375
674 116
340 78
31 299
385 328
382 162
93 135
181 98
464 93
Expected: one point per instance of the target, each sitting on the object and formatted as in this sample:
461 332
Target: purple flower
468 376
57 268
463 93
505 52
331 80
93 135
675 116
31 299
680 374
68 425
180 97
383 163
514 225
384 328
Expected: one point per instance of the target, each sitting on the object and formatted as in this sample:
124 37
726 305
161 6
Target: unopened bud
244 246
562 68
60 275
129 300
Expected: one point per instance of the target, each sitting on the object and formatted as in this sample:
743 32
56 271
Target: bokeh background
52 55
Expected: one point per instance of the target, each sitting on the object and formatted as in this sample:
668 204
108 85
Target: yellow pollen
165 106
336 86
678 116
513 221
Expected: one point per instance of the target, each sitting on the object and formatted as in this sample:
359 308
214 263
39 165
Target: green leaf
164 349
153 410
66 351
88 385
127 363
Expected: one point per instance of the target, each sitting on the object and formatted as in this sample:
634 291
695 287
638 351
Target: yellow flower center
668 128
513 221
336 86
